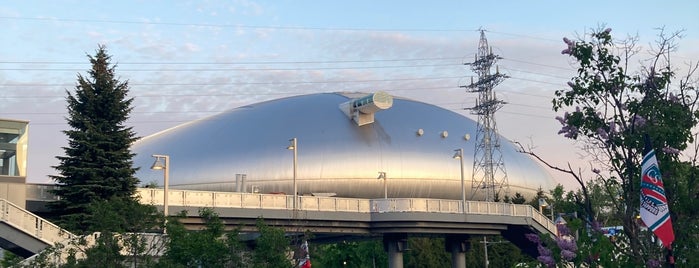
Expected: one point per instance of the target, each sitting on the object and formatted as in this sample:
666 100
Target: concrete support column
458 245
394 245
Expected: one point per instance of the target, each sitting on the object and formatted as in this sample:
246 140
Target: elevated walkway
329 218
24 233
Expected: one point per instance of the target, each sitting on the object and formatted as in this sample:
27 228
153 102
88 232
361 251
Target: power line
238 69
237 25
239 62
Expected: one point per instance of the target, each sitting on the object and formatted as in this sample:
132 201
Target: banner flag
655 212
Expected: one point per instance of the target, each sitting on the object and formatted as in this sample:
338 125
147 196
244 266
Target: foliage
501 253
97 165
427 252
121 215
211 246
272 248
609 109
366 253
9 259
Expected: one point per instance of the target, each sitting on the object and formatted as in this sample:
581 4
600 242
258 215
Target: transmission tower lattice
489 174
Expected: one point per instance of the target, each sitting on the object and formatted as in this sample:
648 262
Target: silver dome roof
334 154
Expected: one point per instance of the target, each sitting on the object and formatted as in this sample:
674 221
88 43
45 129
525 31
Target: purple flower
670 150
602 135
653 263
533 237
595 170
566 243
562 229
608 30
569 131
547 260
561 120
673 98
571 84
571 46
568 41
612 127
638 121
568 255
543 251
596 226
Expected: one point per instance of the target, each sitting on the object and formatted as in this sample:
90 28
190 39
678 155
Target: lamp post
460 155
294 147
163 162
382 176
543 204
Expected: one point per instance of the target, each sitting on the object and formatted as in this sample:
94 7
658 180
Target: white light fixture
382 176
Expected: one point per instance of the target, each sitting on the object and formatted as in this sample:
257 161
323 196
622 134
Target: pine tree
97 165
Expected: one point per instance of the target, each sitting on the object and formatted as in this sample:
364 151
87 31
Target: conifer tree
97 165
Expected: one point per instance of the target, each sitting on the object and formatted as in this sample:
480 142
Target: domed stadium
344 141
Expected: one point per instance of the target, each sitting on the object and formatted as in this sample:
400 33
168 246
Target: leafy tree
609 109
9 259
210 247
272 248
427 252
97 165
121 225
364 253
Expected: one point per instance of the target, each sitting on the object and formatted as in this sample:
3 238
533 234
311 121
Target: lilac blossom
570 48
569 131
563 230
545 256
563 119
596 226
608 30
547 260
670 150
639 121
602 134
566 243
571 84
673 98
612 127
568 255
653 263
595 170
533 238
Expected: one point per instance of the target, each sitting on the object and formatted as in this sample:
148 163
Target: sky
186 60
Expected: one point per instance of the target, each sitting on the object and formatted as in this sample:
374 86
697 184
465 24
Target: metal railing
188 198
31 224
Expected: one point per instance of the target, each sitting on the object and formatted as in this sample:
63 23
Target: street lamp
382 176
294 147
543 204
459 154
163 162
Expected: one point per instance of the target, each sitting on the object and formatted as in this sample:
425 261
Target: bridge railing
189 198
31 224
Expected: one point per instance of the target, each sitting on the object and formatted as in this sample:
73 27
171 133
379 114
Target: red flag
655 211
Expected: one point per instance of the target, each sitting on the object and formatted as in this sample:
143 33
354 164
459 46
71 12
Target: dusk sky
187 60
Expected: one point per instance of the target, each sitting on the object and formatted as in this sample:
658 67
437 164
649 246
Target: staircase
26 234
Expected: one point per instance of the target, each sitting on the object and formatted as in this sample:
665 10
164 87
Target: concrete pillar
458 245
394 245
